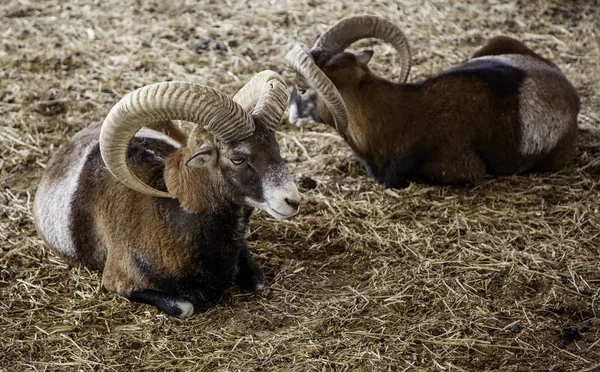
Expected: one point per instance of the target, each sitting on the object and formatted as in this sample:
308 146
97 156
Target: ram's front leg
171 304
249 275
121 275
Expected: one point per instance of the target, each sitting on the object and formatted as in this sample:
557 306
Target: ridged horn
196 103
306 67
264 97
350 29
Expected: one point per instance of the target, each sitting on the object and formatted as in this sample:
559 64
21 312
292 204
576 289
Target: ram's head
315 96
231 154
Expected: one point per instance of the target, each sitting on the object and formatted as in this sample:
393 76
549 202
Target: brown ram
506 110
167 227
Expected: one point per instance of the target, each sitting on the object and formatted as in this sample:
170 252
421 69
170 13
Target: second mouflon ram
164 216
504 111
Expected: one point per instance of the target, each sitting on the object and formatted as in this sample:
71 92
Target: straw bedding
504 275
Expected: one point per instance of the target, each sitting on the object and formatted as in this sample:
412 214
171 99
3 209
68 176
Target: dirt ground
504 275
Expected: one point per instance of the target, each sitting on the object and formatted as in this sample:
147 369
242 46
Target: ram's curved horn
306 67
265 97
196 103
339 37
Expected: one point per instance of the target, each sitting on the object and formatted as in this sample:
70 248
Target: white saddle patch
53 203
545 119
543 124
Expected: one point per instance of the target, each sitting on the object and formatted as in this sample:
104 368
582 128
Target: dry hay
504 275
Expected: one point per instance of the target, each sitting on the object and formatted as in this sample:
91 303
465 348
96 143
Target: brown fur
174 253
121 232
452 123
119 223
119 228
198 190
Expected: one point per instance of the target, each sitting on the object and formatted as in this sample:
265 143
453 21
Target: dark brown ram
506 110
167 227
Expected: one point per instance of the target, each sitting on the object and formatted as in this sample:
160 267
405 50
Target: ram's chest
206 251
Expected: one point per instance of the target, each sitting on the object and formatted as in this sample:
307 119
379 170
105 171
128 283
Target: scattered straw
501 276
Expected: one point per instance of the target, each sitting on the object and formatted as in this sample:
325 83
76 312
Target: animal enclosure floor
504 275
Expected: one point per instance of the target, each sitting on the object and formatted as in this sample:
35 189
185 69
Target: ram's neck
190 246
204 227
202 208
199 190
381 115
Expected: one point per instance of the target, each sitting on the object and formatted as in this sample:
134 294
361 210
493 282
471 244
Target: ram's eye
301 90
237 161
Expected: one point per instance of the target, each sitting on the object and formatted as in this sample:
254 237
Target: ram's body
179 243
505 111
501 115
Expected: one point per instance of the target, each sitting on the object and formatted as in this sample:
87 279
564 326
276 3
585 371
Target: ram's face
303 103
253 172
254 168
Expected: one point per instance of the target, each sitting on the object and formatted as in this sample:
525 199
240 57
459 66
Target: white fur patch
54 198
293 113
149 133
278 189
53 203
187 309
545 120
543 123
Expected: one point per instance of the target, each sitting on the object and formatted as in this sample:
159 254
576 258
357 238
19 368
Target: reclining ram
167 226
506 110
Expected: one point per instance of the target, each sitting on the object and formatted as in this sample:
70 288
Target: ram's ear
364 57
206 155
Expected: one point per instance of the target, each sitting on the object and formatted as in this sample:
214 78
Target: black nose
292 203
